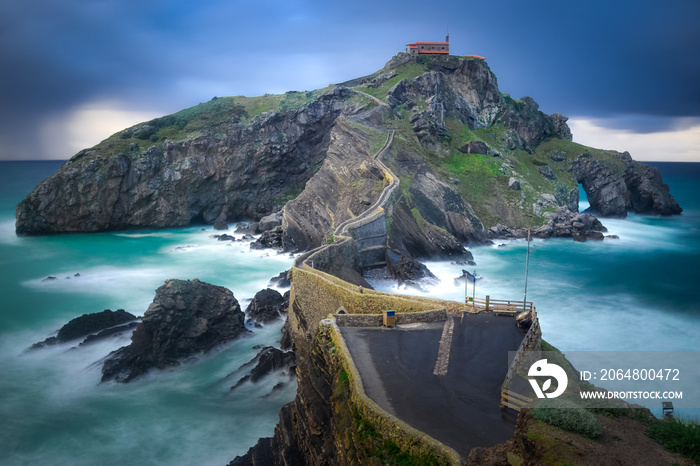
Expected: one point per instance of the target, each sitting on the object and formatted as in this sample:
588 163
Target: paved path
461 407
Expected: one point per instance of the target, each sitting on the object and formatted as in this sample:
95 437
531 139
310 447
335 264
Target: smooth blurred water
53 409
637 293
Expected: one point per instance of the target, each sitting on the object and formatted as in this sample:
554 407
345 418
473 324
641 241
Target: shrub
568 416
678 436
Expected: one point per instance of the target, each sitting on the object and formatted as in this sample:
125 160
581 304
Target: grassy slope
212 116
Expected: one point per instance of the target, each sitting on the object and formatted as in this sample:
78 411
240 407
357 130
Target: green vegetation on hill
381 91
214 116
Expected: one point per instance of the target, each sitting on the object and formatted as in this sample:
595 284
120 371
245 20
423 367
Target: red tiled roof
429 43
475 56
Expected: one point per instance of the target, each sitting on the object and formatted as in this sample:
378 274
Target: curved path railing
384 197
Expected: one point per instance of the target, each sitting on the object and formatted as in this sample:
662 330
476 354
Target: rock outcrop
87 324
241 171
185 318
619 184
267 306
267 361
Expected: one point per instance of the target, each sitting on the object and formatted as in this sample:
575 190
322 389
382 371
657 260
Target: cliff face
243 171
470 160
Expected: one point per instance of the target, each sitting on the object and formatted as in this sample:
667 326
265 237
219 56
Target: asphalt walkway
460 407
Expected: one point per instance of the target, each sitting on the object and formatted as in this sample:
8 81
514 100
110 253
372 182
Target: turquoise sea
53 409
638 293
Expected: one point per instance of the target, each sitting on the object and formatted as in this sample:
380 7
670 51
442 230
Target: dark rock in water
185 318
612 237
408 271
266 306
286 340
221 221
475 147
281 280
565 224
250 228
270 239
225 237
50 277
87 324
639 188
90 323
109 332
267 361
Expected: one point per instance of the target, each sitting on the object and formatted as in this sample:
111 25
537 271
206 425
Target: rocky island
415 161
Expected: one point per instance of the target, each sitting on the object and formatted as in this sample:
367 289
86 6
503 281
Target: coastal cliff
472 162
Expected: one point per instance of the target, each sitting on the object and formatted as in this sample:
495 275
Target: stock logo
542 368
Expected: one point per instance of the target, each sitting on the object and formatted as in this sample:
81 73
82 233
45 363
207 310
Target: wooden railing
533 337
499 305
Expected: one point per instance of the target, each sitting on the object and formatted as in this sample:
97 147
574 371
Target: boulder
266 306
408 270
281 280
184 319
547 172
87 324
272 239
270 221
221 221
475 147
269 360
513 184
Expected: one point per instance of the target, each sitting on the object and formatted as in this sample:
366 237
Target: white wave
7 232
158 234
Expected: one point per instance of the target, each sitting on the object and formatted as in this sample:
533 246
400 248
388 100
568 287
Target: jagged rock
225 237
270 222
561 129
220 223
557 156
266 306
119 329
86 324
475 147
547 172
566 224
281 280
271 239
250 228
185 318
513 184
269 360
612 193
407 270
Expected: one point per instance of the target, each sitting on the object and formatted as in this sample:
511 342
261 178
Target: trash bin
389 318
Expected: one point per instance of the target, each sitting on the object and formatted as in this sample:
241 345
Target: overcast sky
72 72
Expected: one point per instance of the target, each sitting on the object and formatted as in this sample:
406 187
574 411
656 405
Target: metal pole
474 292
466 293
527 268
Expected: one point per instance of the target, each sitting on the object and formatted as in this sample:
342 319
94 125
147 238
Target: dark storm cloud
593 58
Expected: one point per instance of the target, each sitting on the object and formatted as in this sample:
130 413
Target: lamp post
527 268
466 275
